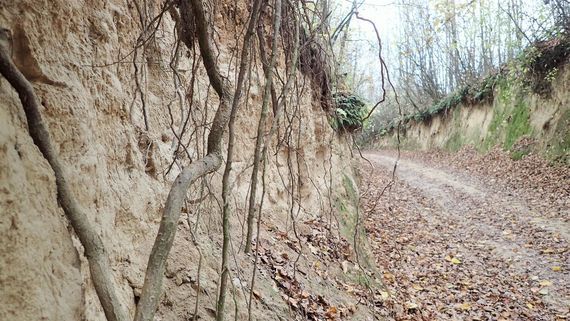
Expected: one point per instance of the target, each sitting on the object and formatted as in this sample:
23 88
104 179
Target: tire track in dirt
499 235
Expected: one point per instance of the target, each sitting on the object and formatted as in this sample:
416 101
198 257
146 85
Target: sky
384 14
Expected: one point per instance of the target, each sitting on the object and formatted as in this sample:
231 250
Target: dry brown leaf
331 312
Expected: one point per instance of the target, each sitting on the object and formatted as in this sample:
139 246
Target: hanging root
314 65
226 189
152 288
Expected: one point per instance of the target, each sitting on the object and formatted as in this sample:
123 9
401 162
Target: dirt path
457 246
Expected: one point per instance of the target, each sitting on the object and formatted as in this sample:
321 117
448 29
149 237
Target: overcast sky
385 15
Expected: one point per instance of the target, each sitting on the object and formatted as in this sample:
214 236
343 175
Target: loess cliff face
81 59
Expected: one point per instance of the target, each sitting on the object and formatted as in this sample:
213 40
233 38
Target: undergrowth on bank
532 71
349 114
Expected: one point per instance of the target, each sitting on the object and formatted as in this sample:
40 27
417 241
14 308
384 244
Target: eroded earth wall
93 82
516 120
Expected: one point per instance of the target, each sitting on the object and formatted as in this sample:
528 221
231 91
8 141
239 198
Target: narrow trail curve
457 246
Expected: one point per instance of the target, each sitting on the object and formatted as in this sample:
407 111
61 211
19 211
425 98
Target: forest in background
437 48
199 98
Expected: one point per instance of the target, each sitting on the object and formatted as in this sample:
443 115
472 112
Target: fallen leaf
389 277
543 291
530 306
545 283
453 260
331 312
556 269
464 306
317 265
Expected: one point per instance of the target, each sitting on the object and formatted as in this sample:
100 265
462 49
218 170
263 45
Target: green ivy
350 111
484 91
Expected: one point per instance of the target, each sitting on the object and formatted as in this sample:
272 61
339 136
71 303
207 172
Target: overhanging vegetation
533 71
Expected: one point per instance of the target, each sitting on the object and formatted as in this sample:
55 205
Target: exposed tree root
95 251
262 119
243 68
152 288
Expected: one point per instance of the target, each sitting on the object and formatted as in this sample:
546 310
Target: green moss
518 124
454 143
494 128
519 154
348 206
351 219
474 138
559 150
505 90
347 219
457 116
511 117
349 188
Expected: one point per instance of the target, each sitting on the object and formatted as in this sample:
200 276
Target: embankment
516 119
115 108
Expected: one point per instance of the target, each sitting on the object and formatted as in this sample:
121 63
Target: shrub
350 111
484 91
